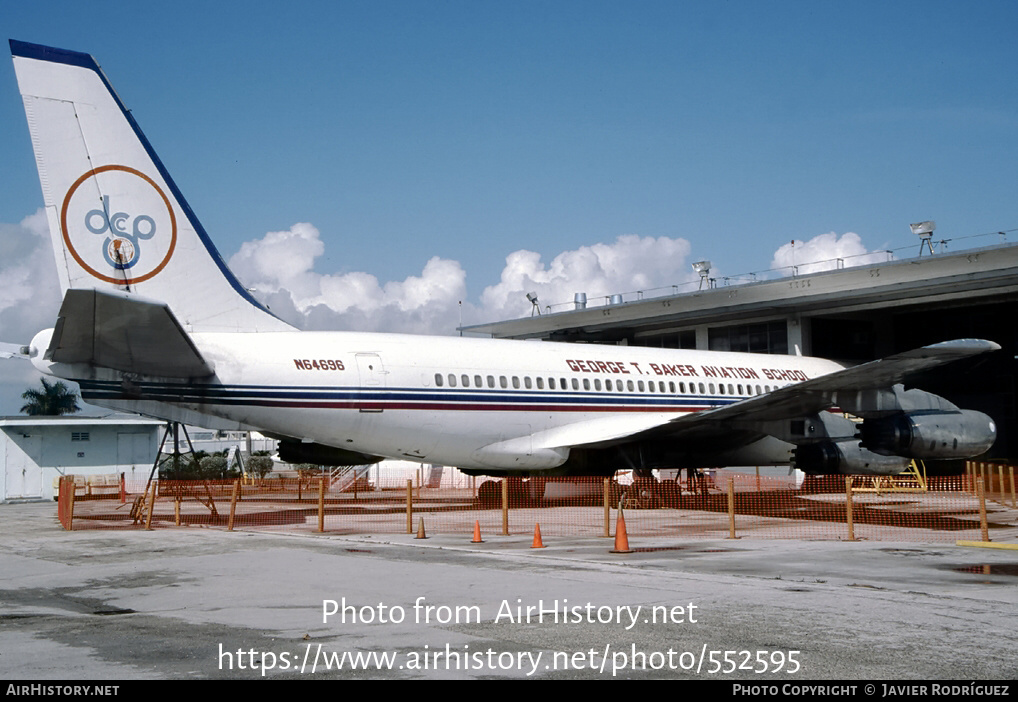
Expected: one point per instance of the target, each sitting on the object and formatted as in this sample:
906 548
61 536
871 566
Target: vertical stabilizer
116 218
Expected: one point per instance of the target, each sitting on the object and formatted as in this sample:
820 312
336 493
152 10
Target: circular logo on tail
118 225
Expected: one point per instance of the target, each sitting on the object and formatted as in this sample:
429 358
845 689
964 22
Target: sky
423 164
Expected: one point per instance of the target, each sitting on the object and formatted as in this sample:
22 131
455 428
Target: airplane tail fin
116 218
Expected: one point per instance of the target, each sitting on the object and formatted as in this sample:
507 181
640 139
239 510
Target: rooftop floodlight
924 230
703 268
532 296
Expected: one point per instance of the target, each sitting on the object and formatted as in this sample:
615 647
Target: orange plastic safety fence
700 507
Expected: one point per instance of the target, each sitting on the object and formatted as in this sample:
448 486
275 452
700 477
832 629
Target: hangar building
851 314
35 450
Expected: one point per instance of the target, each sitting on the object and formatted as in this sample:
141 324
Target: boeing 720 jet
152 321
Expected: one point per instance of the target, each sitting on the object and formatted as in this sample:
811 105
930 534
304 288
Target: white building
36 450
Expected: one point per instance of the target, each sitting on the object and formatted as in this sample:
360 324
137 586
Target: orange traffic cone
420 529
621 538
537 537
477 533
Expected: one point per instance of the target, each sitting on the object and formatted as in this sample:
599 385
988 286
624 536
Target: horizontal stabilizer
13 351
125 333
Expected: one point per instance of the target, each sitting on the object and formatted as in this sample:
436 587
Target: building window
769 337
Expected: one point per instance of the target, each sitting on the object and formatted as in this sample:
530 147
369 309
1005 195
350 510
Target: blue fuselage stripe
397 398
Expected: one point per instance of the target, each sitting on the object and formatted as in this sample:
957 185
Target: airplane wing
823 393
125 333
800 399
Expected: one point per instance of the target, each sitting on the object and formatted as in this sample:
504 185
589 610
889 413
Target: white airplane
153 322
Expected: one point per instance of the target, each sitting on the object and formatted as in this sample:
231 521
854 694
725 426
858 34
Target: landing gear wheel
641 495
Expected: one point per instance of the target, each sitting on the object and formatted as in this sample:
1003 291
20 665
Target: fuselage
440 399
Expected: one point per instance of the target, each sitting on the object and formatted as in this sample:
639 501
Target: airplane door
371 372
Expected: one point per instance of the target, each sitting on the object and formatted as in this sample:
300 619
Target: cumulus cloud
428 303
822 253
435 301
630 263
29 290
29 299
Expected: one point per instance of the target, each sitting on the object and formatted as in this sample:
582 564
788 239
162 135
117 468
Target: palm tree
54 399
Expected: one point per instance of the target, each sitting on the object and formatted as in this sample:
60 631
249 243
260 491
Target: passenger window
452 380
438 379
516 382
540 383
671 386
576 384
526 383
639 384
721 389
586 383
597 383
465 380
551 383
650 386
502 382
629 385
477 382
491 381
711 387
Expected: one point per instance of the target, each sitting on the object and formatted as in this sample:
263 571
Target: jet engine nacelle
845 458
933 435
